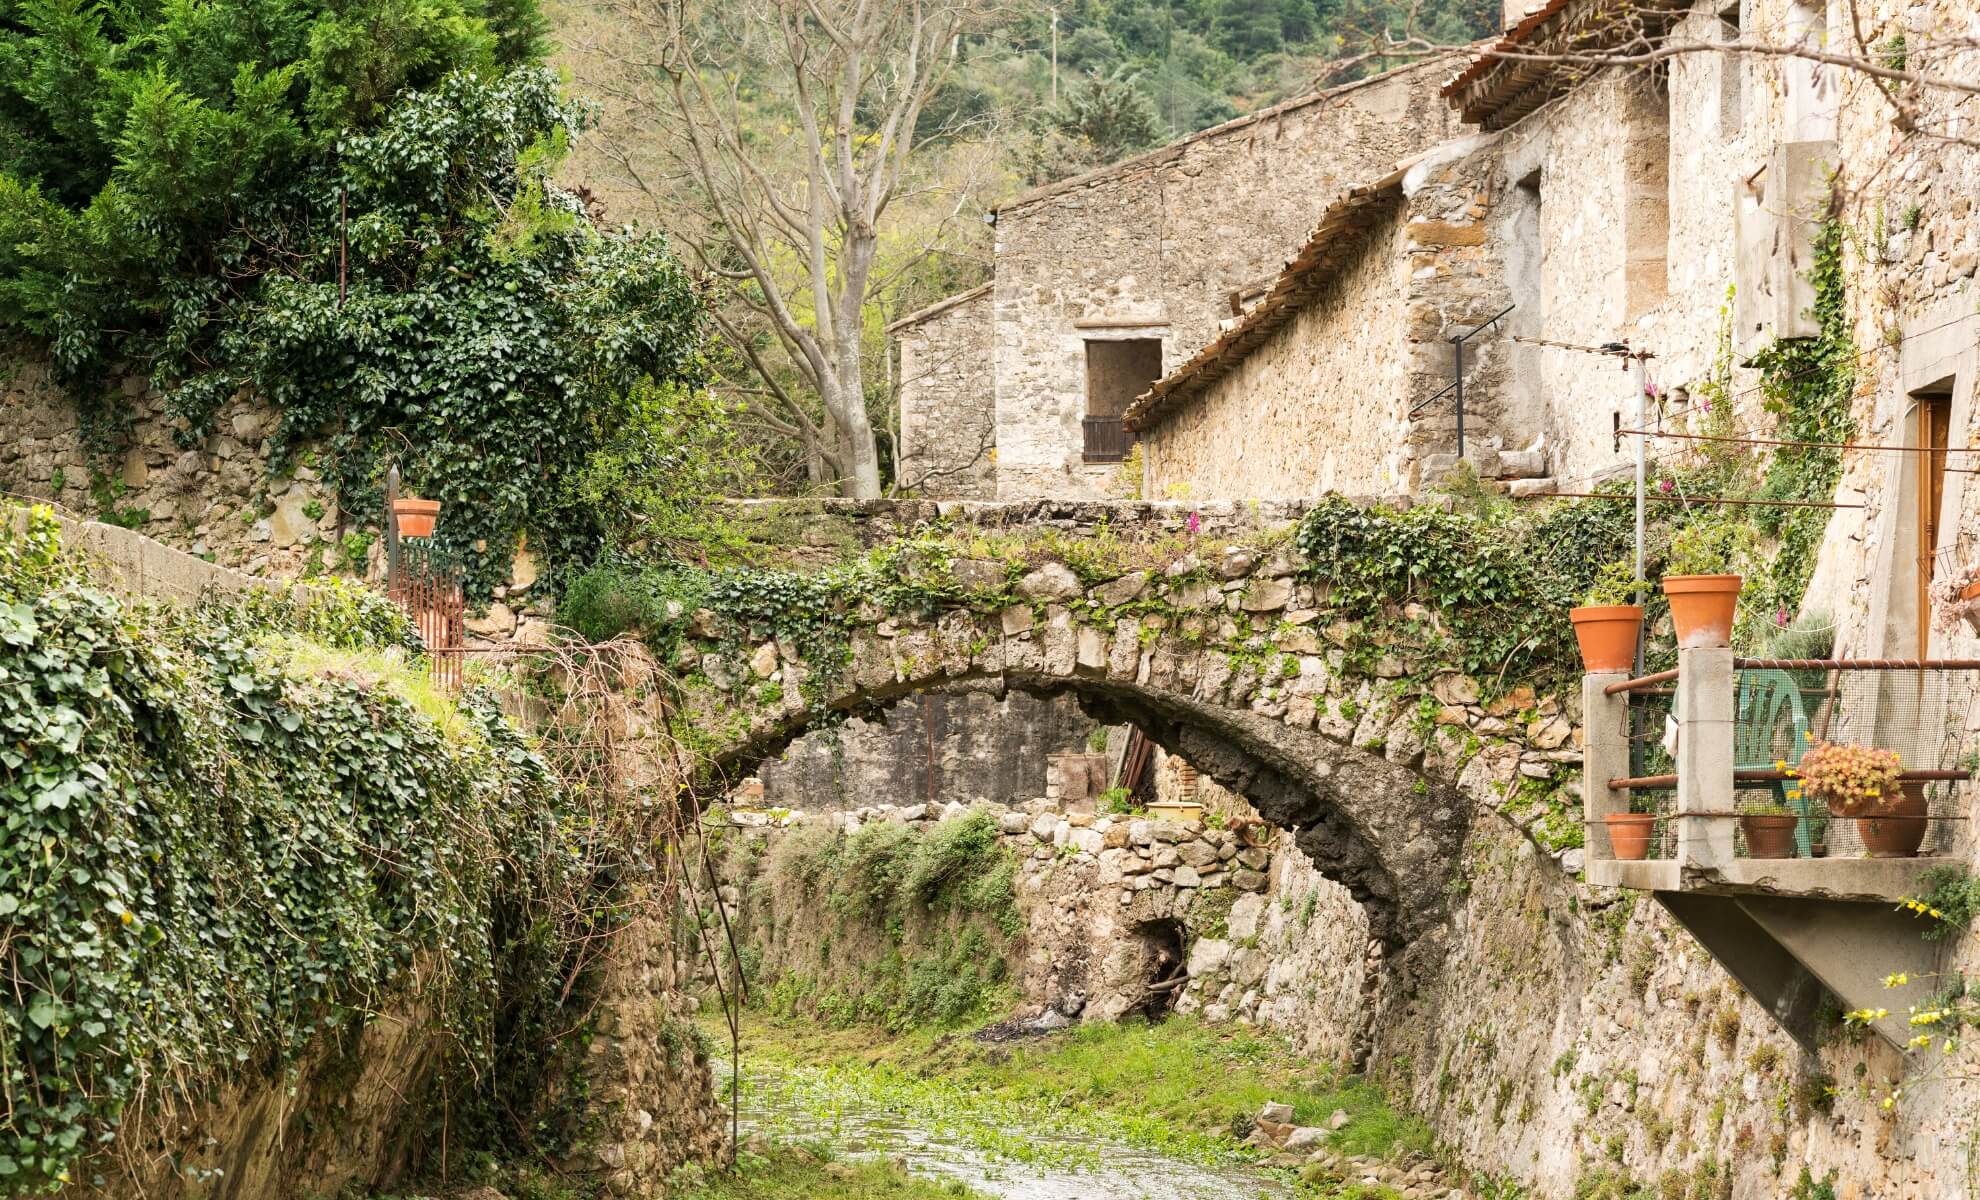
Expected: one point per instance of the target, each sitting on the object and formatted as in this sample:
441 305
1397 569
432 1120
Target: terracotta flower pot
1629 834
1607 634
1899 830
416 517
1702 608
1768 835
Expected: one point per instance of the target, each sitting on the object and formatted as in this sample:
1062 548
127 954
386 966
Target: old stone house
1103 282
1669 211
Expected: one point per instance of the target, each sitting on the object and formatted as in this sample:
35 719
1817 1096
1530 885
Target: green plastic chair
1766 706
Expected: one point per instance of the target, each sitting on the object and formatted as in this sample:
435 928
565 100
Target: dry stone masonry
1221 659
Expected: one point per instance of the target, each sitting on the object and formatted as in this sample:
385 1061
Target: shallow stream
942 1132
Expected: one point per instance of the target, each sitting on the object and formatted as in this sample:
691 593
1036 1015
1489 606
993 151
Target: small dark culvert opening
1166 964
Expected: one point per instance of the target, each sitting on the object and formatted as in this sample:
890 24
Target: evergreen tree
178 182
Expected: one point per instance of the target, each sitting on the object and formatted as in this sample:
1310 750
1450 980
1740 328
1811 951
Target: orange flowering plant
1852 780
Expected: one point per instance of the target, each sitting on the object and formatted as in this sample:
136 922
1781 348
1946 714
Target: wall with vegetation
1045 914
1550 1031
273 910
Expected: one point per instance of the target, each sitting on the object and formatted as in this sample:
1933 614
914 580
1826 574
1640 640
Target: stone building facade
1347 362
1106 280
949 433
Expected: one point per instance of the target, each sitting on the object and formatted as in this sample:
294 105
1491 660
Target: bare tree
791 127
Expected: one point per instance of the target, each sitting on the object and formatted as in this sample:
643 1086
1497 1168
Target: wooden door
1934 428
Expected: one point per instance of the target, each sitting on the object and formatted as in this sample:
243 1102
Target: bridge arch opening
1379 828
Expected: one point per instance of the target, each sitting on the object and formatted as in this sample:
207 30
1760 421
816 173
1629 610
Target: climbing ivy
1498 582
1807 385
212 857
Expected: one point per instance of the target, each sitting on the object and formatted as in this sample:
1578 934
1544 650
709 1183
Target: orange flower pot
1898 830
1768 835
416 517
1702 608
1629 834
1607 634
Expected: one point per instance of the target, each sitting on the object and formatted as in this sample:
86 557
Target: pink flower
1665 486
1705 406
1195 522
1781 617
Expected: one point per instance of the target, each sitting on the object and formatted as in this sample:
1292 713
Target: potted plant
1609 621
1629 833
1769 829
415 516
1704 594
1866 783
1956 601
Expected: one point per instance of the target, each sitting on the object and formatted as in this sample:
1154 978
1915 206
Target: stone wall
1153 247
1553 1031
972 749
1583 294
948 399
215 500
1089 889
342 1119
1327 388
1326 403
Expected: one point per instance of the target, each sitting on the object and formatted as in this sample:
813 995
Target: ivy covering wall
229 832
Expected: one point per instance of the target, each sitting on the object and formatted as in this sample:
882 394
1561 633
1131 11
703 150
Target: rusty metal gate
428 587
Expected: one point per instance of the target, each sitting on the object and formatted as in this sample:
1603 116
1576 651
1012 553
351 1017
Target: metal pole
1055 56
392 527
1641 468
1457 344
1636 747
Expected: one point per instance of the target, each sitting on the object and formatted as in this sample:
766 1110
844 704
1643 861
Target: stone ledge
1889 879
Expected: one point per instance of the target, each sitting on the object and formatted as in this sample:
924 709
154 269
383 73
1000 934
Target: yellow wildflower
1921 1041
1897 980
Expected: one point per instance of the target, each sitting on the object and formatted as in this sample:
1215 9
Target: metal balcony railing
1698 766
1794 900
1106 439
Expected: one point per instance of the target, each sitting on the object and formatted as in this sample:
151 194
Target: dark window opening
1167 967
1116 372
1732 80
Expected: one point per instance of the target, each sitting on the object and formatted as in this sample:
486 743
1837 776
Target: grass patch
810 1173
389 669
1181 1087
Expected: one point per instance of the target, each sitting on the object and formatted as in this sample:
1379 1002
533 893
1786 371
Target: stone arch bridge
1212 641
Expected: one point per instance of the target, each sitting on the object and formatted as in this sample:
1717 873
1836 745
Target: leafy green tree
178 186
1109 115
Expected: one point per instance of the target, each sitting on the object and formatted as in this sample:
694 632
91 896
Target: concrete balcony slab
1866 879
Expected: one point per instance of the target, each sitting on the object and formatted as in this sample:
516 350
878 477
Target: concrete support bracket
1854 949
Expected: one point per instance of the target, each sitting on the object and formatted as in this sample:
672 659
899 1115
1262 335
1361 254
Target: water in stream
994 1147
